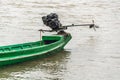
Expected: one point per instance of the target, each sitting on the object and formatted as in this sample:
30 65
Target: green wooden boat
22 52
47 46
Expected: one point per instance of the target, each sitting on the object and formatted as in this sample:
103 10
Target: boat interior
45 41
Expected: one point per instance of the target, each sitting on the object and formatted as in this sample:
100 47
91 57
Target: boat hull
19 53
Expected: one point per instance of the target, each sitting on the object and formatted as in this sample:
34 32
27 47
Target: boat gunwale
24 49
30 55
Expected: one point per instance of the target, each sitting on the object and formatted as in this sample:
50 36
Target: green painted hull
22 52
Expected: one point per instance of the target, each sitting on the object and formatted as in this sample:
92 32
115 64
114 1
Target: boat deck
45 40
20 46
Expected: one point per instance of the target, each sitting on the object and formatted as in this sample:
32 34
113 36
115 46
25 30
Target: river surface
90 55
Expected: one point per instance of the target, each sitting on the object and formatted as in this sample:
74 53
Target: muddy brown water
90 55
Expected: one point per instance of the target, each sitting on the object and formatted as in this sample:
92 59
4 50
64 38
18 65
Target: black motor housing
52 21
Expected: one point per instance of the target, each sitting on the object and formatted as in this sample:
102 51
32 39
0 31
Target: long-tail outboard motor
52 21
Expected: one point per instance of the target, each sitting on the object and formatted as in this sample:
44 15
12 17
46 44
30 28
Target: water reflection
51 68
